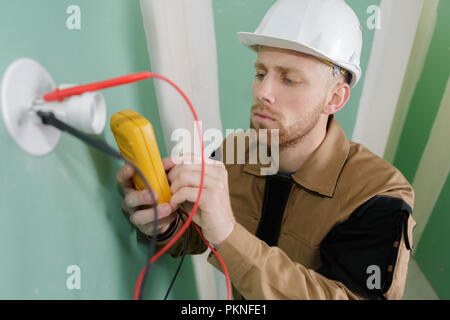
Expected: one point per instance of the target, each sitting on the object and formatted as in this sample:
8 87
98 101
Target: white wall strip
182 46
385 72
424 35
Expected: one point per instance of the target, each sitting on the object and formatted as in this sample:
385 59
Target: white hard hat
326 29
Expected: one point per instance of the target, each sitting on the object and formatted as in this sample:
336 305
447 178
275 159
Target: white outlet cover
24 81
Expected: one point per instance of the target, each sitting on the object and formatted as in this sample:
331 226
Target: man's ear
337 98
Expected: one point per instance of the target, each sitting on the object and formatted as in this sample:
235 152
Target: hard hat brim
250 40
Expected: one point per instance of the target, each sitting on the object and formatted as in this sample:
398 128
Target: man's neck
293 157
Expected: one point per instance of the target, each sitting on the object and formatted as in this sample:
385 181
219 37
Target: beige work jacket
345 229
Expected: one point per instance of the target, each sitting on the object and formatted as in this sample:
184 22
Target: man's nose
265 90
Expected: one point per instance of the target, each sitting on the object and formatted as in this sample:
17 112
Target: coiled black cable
186 235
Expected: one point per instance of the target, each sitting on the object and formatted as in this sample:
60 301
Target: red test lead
95 86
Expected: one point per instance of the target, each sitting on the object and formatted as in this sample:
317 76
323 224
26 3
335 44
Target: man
335 222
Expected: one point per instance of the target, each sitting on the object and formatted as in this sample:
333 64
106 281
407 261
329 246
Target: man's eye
260 76
288 81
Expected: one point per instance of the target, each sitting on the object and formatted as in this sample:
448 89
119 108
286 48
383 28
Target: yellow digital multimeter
136 140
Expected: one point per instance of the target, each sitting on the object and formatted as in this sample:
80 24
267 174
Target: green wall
433 249
64 209
427 97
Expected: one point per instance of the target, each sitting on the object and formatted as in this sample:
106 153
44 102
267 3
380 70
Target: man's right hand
138 204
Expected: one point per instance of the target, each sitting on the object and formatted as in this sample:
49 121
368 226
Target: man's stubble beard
296 132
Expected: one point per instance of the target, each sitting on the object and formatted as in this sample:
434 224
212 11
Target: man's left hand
215 215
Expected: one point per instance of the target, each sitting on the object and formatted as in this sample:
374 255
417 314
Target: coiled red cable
95 86
225 270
